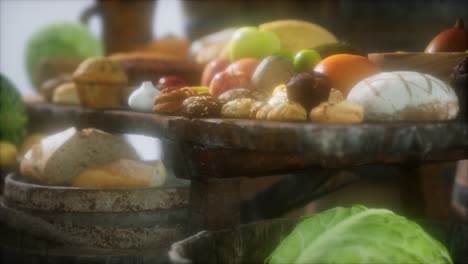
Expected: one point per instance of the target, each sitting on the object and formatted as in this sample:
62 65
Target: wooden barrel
253 243
101 222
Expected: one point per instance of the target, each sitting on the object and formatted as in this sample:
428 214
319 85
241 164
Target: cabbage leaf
359 235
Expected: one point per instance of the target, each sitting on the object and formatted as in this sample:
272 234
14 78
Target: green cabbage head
61 39
359 235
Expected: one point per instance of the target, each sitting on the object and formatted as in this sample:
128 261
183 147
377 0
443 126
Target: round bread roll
404 95
66 94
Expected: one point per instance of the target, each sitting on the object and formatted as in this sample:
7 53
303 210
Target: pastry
279 95
263 112
59 158
235 94
404 95
255 107
48 87
171 101
66 94
309 89
122 173
238 108
289 111
201 106
335 96
342 112
100 83
142 98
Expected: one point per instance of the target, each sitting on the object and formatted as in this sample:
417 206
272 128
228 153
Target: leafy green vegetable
13 118
359 235
61 39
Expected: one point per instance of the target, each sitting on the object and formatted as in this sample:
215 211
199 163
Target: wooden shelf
224 148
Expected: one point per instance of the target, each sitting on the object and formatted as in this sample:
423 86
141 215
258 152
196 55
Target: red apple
225 81
170 82
246 66
212 68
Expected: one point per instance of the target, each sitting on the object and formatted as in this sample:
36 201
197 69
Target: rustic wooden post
411 191
214 204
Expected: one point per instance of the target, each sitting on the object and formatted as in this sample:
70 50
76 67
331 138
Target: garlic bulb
142 98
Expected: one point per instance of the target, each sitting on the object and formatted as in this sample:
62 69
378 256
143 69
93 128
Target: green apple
285 53
306 59
250 42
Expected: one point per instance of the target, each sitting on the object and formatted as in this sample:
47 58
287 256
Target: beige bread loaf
57 159
122 173
405 96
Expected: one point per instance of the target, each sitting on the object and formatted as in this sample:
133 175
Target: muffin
100 82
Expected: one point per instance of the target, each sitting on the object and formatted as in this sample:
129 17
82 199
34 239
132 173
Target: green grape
306 59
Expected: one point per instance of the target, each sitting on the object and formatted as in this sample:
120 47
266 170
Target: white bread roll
122 173
404 95
57 159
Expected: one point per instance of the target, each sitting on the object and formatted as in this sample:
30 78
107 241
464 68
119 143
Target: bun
57 159
404 95
342 112
66 94
122 173
288 111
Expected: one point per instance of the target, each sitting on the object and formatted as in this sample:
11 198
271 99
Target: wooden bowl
439 64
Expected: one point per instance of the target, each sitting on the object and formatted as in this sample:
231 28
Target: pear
296 35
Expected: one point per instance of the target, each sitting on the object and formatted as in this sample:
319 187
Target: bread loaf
122 173
404 95
57 159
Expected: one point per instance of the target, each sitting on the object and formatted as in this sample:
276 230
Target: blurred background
373 26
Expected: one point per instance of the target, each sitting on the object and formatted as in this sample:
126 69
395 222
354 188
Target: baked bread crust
201 106
403 95
170 101
57 159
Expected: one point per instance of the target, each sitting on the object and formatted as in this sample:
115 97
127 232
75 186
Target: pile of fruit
296 71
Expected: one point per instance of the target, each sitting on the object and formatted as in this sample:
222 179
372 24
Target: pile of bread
89 158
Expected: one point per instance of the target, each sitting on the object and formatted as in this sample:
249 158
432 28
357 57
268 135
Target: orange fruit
346 70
